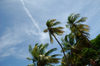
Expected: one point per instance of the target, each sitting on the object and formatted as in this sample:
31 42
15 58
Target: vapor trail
30 16
42 35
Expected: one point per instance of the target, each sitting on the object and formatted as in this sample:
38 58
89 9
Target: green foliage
87 54
96 42
41 56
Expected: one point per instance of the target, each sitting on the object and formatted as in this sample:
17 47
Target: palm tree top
75 23
53 29
75 18
40 54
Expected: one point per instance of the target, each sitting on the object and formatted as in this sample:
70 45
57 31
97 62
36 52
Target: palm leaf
28 58
43 47
82 26
59 28
30 48
35 52
83 19
50 51
52 20
67 26
58 33
51 39
84 30
56 23
55 55
70 18
46 30
40 46
76 16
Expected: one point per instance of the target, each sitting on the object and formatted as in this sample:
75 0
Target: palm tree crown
76 25
52 29
41 57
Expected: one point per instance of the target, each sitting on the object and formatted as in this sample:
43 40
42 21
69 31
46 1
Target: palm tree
53 31
41 57
79 29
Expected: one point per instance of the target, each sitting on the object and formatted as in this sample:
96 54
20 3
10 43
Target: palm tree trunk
61 47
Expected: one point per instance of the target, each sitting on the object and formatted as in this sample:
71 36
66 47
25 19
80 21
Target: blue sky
22 23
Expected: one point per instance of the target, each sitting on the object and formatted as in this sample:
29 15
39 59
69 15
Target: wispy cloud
18 34
30 16
43 36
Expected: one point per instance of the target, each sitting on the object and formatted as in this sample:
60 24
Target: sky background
22 23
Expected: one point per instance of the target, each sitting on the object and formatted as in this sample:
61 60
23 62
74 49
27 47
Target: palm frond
82 26
83 19
40 46
55 55
43 47
46 30
59 27
56 23
35 52
86 30
51 39
70 18
67 26
28 58
30 48
36 44
52 20
50 51
58 31
76 16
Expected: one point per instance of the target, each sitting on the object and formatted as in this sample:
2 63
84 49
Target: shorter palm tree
42 57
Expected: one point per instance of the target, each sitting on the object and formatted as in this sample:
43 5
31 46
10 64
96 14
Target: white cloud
30 16
9 52
44 37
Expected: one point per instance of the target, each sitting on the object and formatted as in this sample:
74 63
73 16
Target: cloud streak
42 35
9 42
30 16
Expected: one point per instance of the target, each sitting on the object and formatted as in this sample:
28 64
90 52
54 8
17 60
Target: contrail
30 16
40 34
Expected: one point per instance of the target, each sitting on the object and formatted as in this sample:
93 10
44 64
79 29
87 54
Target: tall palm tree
53 31
80 30
42 57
